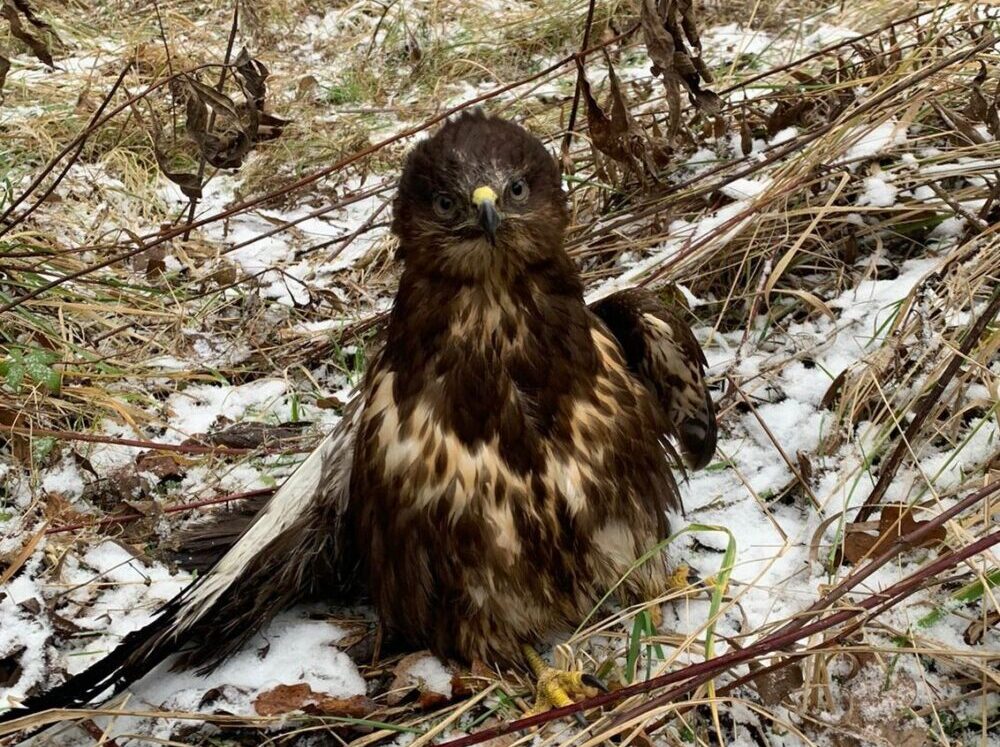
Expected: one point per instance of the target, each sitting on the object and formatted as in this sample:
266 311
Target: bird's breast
477 439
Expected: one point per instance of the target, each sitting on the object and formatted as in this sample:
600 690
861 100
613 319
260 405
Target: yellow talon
679 578
556 688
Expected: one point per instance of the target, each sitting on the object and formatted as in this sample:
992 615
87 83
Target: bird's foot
556 688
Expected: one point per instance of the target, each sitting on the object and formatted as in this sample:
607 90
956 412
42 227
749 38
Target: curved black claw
591 681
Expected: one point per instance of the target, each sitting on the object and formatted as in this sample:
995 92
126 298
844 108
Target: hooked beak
484 198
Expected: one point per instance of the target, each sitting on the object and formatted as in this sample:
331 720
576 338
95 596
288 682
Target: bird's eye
444 205
518 190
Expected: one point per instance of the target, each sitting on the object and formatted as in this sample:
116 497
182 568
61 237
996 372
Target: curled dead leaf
895 521
12 10
301 697
974 634
668 28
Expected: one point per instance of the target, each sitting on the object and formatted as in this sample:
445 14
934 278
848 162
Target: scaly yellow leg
556 688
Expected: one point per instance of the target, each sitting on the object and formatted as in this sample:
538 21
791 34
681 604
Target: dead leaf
976 631
662 25
406 678
212 98
37 46
895 521
301 697
858 546
164 466
774 687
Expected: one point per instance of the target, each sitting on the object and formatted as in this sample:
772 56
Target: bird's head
481 195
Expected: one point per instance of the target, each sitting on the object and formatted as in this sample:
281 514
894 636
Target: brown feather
510 467
504 464
660 347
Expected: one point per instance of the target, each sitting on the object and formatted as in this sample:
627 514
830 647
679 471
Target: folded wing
661 349
292 546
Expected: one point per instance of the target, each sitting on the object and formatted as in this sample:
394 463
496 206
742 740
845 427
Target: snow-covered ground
70 603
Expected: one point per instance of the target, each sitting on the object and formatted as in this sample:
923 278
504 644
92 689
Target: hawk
507 459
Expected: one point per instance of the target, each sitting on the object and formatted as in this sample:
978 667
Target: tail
292 548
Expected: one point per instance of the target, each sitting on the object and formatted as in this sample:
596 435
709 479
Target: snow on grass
723 45
292 649
197 408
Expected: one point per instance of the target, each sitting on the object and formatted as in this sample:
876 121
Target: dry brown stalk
891 465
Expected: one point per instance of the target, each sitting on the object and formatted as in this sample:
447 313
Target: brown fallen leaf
301 697
895 521
409 675
163 465
774 687
976 631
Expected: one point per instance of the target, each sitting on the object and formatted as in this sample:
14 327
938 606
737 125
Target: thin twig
927 402
169 510
301 182
571 122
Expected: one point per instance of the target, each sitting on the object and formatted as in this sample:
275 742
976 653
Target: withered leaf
976 631
616 136
660 48
189 183
226 151
253 73
895 521
37 46
287 698
774 686
163 465
405 679
210 97
356 706
857 546
672 62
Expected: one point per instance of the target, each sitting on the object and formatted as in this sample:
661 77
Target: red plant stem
911 539
696 674
880 602
170 510
154 445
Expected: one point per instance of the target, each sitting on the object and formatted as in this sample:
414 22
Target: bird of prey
507 459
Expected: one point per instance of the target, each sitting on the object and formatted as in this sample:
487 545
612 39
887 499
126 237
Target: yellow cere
482 194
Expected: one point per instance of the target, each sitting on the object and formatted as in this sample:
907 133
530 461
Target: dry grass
103 353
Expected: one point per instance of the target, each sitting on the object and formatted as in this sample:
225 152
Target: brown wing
199 547
292 546
661 348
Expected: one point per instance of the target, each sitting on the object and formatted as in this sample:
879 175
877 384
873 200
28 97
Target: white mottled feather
288 505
